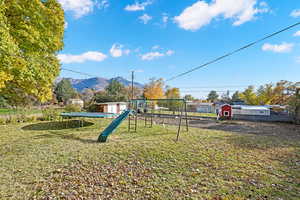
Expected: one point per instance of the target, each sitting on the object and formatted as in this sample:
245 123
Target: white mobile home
201 107
111 107
251 110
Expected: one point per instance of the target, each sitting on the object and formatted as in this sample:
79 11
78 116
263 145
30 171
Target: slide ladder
113 125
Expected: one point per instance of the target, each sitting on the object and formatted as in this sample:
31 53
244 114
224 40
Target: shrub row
13 119
48 114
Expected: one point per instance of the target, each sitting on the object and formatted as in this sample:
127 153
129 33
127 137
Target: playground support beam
183 109
186 117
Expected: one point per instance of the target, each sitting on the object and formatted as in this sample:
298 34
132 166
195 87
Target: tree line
281 93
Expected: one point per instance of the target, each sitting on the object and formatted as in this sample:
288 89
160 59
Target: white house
111 107
250 110
201 107
77 102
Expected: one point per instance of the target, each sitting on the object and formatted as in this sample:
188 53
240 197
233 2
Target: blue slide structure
114 124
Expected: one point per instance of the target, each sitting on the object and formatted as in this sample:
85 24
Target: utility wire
77 72
233 52
195 91
225 86
62 68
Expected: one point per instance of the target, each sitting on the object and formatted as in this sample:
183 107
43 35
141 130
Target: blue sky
162 38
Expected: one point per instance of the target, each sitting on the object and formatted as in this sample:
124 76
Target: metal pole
297 113
132 78
131 102
136 116
177 138
186 117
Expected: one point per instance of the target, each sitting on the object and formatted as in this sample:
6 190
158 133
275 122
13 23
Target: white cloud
88 56
116 50
152 55
127 51
145 18
278 48
78 7
170 52
103 4
156 54
295 13
165 18
202 13
66 24
297 34
263 4
138 6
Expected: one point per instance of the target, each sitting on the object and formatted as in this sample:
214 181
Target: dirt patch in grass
284 130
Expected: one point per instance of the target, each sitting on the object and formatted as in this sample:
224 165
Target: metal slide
113 125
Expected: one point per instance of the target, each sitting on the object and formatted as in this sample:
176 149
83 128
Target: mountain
98 83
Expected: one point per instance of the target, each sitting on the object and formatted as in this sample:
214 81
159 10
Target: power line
77 72
193 91
233 52
225 86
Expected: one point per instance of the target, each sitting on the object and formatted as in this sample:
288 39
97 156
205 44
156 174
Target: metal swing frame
134 104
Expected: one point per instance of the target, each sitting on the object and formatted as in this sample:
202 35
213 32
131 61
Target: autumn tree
282 91
31 33
249 96
173 93
154 89
269 94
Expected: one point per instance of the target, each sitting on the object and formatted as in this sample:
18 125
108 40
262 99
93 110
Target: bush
50 114
72 108
3 103
12 119
2 121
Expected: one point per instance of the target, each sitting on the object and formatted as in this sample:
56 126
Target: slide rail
113 126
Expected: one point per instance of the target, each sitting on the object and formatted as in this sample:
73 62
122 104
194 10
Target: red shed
226 111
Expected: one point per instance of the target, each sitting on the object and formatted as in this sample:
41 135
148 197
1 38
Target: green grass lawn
47 161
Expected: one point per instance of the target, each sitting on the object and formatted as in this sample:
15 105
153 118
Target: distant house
206 108
201 107
111 107
77 102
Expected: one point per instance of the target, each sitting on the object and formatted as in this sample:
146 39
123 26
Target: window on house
226 114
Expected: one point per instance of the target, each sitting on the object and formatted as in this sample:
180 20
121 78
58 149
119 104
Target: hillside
98 83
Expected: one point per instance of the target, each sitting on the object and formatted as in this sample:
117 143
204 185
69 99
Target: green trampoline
88 115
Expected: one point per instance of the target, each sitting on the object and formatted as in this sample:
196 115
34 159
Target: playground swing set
151 111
